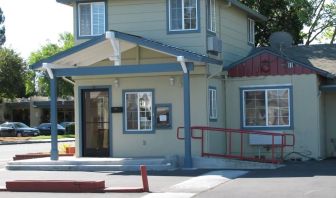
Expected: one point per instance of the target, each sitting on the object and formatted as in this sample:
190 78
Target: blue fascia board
166 48
133 39
126 69
68 52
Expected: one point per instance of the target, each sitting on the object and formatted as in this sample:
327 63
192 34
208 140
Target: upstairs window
211 15
267 107
91 19
250 31
212 104
183 15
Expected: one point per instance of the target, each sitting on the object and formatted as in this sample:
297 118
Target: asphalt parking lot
297 179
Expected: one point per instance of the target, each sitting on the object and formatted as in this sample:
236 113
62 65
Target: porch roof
86 53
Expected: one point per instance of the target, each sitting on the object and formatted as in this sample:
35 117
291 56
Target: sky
32 23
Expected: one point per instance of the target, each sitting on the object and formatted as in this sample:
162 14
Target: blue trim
129 69
77 18
80 115
124 111
192 56
197 30
53 118
187 122
170 117
291 114
212 119
68 52
166 48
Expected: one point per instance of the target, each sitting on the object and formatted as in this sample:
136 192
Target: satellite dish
279 40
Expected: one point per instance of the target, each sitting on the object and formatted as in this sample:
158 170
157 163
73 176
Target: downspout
187 123
53 112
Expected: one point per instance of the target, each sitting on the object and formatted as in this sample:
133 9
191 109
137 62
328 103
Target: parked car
69 127
17 129
45 129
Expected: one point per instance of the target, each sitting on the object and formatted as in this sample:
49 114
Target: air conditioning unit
214 44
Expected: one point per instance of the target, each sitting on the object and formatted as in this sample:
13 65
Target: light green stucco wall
232 29
306 110
162 142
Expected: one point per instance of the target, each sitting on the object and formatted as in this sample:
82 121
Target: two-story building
143 68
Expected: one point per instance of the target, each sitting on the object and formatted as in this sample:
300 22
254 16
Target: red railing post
273 160
202 142
230 143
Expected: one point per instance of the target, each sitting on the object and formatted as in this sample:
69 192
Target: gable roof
134 39
320 58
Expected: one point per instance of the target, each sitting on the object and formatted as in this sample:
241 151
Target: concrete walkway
35 141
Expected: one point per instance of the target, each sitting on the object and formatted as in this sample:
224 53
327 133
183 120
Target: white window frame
211 15
250 31
91 15
182 18
139 118
213 109
267 125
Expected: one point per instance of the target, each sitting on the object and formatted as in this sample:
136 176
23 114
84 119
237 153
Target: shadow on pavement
310 168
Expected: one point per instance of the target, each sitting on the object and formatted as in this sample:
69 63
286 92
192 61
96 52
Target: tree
65 41
282 15
11 74
2 28
322 21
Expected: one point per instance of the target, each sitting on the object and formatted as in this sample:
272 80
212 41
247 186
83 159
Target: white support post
183 64
116 57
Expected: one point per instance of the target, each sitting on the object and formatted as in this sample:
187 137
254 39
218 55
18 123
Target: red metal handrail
229 132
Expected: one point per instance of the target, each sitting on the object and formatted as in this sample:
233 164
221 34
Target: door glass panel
96 123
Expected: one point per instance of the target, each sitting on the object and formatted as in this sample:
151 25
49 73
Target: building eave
252 13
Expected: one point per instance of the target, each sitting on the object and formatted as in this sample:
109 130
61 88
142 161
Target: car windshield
5 125
20 125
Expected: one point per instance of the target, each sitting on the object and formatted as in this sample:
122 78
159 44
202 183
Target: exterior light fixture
116 82
172 81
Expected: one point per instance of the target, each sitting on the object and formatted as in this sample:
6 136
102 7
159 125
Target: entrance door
95 123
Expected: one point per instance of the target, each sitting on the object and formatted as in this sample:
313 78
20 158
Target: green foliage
66 41
2 28
11 74
322 21
282 15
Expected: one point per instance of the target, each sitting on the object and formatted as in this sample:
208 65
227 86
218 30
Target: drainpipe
186 101
53 112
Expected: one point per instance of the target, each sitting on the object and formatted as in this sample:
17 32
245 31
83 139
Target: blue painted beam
53 118
187 124
125 69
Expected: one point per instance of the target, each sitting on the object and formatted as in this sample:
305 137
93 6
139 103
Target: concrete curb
36 141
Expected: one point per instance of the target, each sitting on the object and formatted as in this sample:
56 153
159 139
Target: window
211 15
250 31
183 15
138 111
267 107
212 103
91 19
